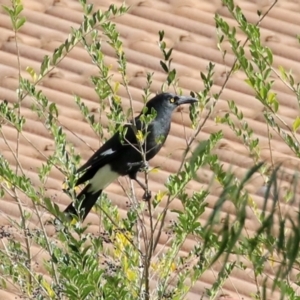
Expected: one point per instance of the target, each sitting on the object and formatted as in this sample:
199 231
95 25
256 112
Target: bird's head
167 102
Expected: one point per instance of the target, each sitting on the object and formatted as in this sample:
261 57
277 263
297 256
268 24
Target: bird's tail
89 200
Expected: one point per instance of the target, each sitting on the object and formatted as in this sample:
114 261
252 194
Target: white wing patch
102 178
107 152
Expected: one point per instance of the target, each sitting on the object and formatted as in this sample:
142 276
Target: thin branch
201 125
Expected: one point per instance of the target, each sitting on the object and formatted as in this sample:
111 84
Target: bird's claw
147 196
144 166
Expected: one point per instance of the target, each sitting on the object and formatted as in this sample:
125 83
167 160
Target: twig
200 126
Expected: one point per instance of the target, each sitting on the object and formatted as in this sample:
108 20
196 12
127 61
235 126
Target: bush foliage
125 259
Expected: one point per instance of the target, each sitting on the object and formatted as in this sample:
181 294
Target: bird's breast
156 137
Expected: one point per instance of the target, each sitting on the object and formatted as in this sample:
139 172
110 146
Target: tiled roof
190 29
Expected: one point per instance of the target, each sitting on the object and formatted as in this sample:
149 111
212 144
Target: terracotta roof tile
190 29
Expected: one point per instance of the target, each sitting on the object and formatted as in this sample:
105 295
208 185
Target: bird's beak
186 100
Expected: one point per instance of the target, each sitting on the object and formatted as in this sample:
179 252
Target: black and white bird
119 157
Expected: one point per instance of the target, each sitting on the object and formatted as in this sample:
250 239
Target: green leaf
161 35
273 101
32 73
263 92
282 72
19 9
20 22
8 10
296 124
53 109
291 79
270 56
58 53
164 66
45 65
168 54
250 82
89 8
171 77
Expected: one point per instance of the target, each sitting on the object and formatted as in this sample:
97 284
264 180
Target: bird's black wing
107 153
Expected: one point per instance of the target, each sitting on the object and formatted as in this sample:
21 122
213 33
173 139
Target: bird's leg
147 194
144 166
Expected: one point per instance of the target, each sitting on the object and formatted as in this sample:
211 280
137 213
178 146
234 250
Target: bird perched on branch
123 154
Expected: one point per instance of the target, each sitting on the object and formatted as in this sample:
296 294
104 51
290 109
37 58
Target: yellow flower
173 267
154 266
131 275
48 288
140 136
5 182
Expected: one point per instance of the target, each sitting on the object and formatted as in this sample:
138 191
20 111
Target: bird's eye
172 100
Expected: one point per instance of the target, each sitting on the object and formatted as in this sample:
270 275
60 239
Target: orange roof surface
190 29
